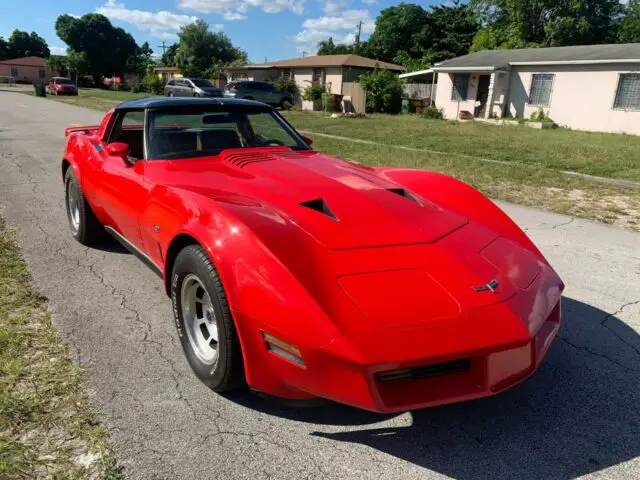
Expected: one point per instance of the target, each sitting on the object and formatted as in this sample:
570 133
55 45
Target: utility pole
358 36
304 53
163 47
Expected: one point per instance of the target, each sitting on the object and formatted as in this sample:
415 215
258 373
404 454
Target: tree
383 89
398 28
416 38
58 64
202 51
327 47
23 44
97 46
545 23
169 56
4 49
629 31
141 60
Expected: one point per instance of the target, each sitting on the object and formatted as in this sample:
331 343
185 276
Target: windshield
63 81
198 82
174 134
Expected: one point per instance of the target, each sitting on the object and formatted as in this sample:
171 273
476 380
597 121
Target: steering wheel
272 142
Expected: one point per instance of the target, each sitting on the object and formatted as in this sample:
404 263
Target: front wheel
203 319
84 225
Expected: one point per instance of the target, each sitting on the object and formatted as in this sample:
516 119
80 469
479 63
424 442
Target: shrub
287 85
540 116
383 89
314 92
153 84
433 113
136 86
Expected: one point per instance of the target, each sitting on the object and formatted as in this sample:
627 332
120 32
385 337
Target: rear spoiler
90 130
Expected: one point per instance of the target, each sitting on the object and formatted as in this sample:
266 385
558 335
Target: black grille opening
319 205
426 371
403 193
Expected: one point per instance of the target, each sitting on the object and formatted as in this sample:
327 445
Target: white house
595 87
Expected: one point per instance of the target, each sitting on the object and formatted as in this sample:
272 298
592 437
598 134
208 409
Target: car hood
341 204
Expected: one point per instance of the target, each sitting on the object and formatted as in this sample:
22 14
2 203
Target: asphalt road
578 416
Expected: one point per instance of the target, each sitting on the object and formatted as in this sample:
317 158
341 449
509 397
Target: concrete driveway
578 416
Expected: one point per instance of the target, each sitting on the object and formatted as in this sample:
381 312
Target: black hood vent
403 193
319 205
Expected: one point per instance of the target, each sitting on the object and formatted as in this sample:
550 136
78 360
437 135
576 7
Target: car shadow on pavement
580 413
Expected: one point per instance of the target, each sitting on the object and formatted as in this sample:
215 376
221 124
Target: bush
383 89
540 116
433 113
287 85
153 84
314 92
136 86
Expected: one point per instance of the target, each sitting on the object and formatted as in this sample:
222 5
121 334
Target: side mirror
307 140
118 149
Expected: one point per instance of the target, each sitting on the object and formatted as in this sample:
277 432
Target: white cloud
58 50
333 7
341 28
370 2
237 9
161 24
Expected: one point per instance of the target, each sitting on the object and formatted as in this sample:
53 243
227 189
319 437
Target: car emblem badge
491 286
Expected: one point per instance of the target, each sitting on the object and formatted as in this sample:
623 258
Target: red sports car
302 275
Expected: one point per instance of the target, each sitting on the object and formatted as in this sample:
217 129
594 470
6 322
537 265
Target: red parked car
302 275
61 86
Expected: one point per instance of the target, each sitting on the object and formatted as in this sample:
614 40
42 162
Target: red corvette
302 275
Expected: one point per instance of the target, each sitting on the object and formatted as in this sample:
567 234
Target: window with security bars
628 93
460 88
540 93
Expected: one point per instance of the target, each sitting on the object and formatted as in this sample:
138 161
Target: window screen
460 87
541 90
628 94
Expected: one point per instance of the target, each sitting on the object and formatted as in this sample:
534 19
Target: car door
121 191
272 95
187 88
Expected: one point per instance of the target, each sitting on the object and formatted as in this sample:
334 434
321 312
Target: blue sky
275 29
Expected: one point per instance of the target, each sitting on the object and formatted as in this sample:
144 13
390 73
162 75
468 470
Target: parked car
260 91
302 275
191 87
61 86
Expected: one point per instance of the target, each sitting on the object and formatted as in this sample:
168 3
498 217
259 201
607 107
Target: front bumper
467 359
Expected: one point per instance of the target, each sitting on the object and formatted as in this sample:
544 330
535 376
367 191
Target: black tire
285 104
88 230
170 94
227 370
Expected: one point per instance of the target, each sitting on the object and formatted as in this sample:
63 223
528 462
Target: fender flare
461 198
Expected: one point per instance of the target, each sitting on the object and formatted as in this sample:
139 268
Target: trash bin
406 105
39 89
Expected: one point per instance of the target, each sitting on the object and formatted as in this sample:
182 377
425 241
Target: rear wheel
203 318
84 225
170 94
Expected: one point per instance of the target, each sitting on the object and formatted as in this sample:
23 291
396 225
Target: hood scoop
241 160
403 193
320 206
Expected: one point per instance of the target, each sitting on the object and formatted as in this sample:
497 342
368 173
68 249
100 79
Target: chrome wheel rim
199 319
73 205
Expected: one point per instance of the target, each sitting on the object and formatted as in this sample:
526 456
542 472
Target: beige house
595 88
339 73
26 70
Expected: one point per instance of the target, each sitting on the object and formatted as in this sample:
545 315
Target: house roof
166 69
583 54
325 61
26 62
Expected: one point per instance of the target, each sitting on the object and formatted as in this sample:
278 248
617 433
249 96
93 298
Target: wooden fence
419 90
358 97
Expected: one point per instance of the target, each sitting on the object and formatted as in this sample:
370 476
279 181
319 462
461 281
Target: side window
171 83
540 92
128 128
628 92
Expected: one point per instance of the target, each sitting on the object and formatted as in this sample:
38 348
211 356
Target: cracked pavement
579 416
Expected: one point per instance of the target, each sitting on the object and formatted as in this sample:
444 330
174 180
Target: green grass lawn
48 428
600 154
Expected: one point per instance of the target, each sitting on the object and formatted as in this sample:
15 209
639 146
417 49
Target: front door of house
483 96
